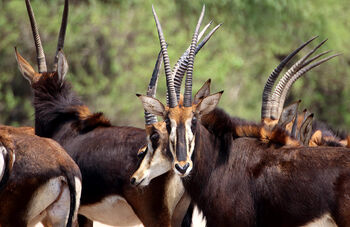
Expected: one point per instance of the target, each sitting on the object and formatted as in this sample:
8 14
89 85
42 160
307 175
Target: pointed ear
203 92
288 114
306 130
152 105
208 104
62 66
316 139
26 69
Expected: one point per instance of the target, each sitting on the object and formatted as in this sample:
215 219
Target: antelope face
181 126
154 158
181 123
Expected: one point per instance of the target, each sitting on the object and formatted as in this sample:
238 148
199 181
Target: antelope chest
112 210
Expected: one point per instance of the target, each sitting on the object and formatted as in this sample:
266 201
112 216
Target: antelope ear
316 139
26 69
306 130
62 66
288 114
152 105
208 104
203 92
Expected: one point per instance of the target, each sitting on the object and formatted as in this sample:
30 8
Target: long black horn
299 74
183 62
39 48
184 56
169 79
266 96
62 34
286 77
188 84
152 88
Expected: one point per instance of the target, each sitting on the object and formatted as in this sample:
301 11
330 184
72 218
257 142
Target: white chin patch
185 174
144 182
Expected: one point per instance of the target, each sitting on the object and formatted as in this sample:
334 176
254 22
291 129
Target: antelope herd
75 167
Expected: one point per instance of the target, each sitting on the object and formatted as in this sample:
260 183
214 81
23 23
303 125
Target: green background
111 47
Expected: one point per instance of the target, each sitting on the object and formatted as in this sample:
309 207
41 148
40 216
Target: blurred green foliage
112 45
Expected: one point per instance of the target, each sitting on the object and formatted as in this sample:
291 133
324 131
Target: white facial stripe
172 137
159 164
189 138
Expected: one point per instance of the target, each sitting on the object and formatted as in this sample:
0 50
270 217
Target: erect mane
328 131
56 103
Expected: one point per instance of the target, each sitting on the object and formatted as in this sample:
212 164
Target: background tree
111 47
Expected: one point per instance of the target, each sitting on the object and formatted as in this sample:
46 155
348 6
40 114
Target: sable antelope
43 183
104 153
150 155
244 182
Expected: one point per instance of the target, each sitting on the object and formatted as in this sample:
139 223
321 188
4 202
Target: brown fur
97 147
37 161
249 188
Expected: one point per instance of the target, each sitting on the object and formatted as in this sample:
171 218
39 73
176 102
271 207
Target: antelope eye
154 140
154 137
167 123
142 153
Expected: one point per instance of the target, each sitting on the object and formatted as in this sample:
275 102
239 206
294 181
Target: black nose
132 180
182 169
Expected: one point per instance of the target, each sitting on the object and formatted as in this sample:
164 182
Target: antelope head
60 66
156 158
180 118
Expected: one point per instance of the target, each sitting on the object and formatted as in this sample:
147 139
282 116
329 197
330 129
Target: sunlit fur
41 169
322 134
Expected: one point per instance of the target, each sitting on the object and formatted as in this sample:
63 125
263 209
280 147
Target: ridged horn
280 101
275 108
177 82
38 45
152 88
299 74
169 79
183 61
266 96
188 83
62 34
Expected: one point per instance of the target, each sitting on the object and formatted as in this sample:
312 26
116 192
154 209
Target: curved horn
188 83
152 88
62 34
39 48
169 79
298 75
266 96
280 100
177 82
183 62
286 77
